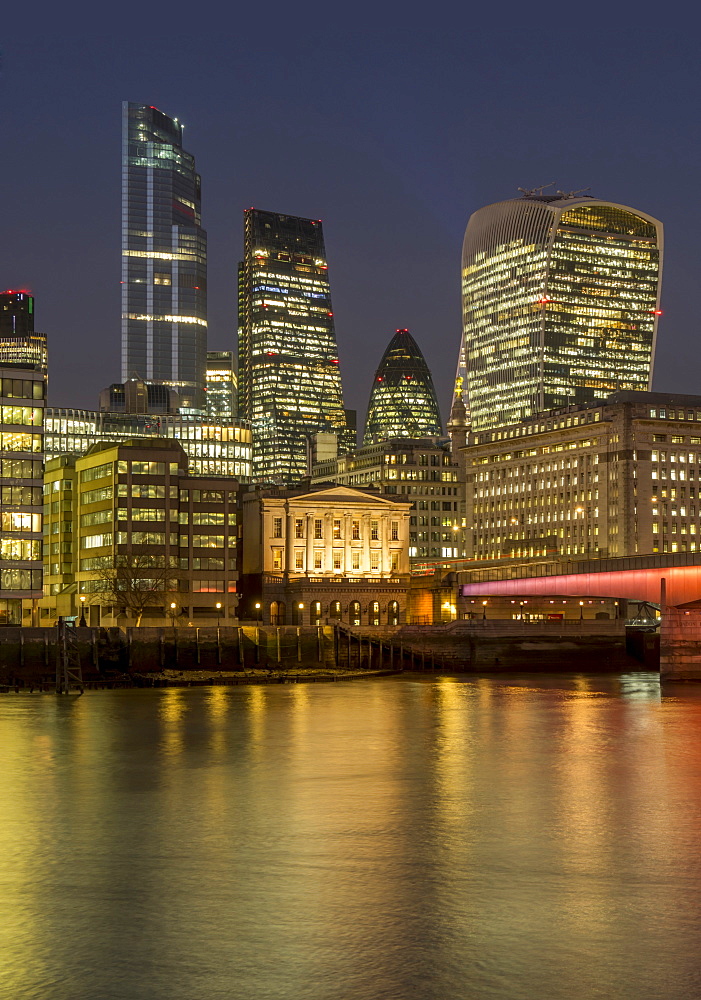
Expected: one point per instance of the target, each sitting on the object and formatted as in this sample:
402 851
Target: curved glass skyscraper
403 401
164 257
560 304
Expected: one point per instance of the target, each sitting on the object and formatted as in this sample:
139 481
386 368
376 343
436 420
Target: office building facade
20 344
211 449
164 257
222 405
22 397
617 478
135 504
289 377
403 400
560 305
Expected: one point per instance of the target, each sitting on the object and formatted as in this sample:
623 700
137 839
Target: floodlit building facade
330 553
221 387
403 400
289 377
561 299
164 257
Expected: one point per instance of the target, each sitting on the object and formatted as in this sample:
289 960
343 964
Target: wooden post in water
240 638
197 643
257 639
218 646
299 644
318 643
277 642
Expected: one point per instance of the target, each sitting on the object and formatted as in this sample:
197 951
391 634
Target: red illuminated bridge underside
637 579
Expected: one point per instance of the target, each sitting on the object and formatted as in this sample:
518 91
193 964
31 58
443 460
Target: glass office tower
560 304
164 257
403 401
289 378
221 387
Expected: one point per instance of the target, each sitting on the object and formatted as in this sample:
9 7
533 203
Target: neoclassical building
328 552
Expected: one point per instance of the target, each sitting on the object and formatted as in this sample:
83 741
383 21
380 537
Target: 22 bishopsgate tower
560 304
164 257
289 378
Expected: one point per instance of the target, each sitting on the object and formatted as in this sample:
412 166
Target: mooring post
218 646
277 642
257 642
318 643
349 649
197 643
240 638
299 645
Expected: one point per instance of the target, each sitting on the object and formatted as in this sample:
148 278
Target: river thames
390 839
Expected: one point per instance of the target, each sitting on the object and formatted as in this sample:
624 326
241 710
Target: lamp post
82 623
581 610
258 612
484 610
300 609
218 606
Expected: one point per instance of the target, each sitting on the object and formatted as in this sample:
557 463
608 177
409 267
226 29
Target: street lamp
581 610
82 623
219 610
258 614
484 610
300 607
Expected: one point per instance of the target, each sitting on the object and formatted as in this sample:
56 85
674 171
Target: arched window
393 613
316 612
354 612
335 609
274 613
374 612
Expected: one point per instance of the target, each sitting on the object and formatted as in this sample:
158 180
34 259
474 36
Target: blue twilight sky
392 123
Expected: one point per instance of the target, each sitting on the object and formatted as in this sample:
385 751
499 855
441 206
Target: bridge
636 578
672 579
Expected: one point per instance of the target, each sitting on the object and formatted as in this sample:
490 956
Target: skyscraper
19 342
289 378
164 257
403 401
560 304
221 387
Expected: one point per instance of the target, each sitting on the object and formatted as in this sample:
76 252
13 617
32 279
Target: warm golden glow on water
432 839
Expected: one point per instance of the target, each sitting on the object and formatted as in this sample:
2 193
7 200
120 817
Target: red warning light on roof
656 312
403 331
16 291
329 314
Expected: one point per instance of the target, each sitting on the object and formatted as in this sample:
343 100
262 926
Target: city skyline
393 165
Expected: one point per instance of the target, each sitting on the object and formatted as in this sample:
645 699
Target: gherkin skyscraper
403 401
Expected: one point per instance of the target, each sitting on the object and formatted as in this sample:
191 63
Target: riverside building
22 398
136 501
329 553
403 400
289 377
164 257
20 344
616 478
560 305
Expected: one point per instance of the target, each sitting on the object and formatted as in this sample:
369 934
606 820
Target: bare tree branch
136 581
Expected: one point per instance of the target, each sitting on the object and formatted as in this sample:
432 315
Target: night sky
391 124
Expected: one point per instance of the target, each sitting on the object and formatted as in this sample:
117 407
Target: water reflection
496 837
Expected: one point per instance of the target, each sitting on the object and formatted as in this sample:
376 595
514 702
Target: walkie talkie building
289 378
560 304
164 257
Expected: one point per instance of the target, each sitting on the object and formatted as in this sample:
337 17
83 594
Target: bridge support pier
680 644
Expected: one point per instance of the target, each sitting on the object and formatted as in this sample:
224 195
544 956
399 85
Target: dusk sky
391 125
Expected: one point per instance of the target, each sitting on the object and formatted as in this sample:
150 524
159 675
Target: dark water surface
402 838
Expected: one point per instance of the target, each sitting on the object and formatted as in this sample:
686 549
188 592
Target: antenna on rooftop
573 194
530 192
